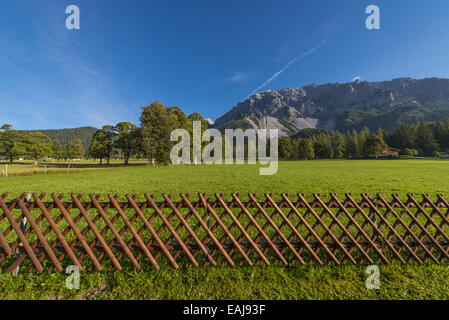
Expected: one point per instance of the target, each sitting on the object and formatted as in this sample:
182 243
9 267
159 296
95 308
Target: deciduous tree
127 139
101 146
57 149
36 145
74 149
155 132
373 145
10 146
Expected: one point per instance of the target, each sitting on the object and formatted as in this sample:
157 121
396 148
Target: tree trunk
11 160
109 158
101 161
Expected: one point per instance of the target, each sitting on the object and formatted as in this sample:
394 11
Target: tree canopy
36 145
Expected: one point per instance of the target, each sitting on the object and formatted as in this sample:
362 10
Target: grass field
28 167
310 282
340 176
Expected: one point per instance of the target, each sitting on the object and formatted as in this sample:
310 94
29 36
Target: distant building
390 152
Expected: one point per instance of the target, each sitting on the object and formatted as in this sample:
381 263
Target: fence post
6 170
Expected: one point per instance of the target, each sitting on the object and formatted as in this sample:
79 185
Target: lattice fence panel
96 233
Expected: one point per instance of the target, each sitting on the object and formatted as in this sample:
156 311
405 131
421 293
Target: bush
411 152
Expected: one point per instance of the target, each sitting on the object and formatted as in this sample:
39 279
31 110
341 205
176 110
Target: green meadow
403 176
323 176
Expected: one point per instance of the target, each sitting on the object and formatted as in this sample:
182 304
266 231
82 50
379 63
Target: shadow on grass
74 165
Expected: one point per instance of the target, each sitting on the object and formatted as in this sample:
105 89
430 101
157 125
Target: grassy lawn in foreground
307 282
297 282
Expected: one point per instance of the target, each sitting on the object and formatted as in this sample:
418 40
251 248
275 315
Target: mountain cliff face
342 106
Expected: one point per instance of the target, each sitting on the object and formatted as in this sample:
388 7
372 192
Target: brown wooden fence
146 232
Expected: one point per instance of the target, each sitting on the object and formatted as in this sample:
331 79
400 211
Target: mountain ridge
346 106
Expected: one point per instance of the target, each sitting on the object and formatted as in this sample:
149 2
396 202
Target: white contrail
277 74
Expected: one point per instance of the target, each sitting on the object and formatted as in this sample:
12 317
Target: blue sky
201 55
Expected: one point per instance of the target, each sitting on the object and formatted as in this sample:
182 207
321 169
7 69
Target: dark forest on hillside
64 136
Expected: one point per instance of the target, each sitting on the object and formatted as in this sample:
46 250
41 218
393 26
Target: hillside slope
65 135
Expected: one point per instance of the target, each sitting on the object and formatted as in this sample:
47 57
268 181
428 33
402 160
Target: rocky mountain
342 107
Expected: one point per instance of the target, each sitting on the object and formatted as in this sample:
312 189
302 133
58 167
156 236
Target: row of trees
333 146
151 140
427 138
35 145
424 139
